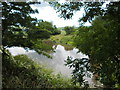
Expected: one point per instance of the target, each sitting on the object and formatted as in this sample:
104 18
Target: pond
58 60
57 63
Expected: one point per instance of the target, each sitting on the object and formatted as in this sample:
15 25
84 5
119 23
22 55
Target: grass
63 39
22 72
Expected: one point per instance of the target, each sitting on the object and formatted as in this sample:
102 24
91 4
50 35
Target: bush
21 72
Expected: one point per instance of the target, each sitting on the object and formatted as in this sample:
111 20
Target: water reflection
57 63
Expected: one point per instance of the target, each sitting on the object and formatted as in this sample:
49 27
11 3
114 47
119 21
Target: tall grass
22 72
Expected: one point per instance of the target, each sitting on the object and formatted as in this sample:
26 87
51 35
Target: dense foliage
15 21
19 29
100 41
22 72
102 45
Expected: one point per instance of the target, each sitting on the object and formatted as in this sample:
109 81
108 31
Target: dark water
57 62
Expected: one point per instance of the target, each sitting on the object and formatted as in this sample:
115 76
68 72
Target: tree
19 28
49 26
92 9
100 41
16 20
69 30
67 9
56 31
80 69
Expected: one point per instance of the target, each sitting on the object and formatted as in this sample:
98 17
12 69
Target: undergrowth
22 72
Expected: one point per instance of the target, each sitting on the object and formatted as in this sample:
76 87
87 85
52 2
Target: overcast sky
47 13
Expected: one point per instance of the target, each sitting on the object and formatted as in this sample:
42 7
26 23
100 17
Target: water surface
58 60
57 63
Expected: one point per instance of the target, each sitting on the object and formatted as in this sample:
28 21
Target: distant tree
49 26
56 31
69 30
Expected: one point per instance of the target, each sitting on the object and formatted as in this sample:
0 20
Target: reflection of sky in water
57 63
18 50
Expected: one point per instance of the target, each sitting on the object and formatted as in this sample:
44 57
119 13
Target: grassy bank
22 72
63 39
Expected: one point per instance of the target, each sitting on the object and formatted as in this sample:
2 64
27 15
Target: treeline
69 30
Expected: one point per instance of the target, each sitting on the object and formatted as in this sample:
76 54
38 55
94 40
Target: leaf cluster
80 70
101 43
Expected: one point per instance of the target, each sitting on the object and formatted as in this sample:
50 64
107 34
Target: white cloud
48 13
61 1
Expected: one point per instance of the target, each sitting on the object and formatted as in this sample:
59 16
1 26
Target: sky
47 13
